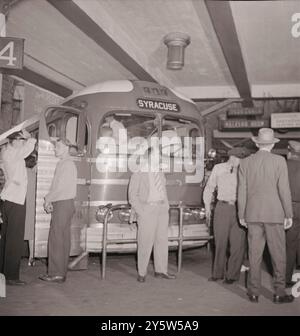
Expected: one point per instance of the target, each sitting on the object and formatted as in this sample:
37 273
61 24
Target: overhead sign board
248 111
11 52
285 120
151 104
242 124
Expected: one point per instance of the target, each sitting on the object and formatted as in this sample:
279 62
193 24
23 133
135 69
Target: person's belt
227 202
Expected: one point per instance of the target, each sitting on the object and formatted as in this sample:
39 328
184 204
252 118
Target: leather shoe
53 278
290 284
165 276
214 279
141 278
15 283
283 298
253 298
229 281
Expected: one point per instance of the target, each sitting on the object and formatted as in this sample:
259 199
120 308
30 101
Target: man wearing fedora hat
20 146
227 230
293 234
265 207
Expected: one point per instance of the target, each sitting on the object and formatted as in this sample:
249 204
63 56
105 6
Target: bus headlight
124 215
101 212
212 153
199 213
202 213
187 214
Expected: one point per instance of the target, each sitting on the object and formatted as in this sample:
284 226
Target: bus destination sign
160 105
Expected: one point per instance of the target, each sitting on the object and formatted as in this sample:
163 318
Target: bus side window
72 134
194 133
52 130
71 129
85 145
86 137
69 125
55 123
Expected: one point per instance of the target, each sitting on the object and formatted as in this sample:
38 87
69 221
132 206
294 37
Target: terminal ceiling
241 49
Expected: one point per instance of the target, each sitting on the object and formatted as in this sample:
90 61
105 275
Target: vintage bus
141 110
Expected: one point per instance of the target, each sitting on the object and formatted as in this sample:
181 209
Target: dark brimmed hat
16 136
239 152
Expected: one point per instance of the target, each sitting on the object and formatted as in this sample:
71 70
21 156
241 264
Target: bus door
183 158
72 124
183 161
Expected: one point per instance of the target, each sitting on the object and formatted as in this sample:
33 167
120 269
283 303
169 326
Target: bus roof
116 86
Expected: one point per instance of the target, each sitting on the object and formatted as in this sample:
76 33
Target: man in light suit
265 207
148 198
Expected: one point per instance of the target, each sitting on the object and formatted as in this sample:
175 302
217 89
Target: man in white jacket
13 195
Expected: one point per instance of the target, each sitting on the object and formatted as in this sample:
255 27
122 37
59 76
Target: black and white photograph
149 161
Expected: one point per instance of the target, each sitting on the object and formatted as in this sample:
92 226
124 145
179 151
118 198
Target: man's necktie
158 181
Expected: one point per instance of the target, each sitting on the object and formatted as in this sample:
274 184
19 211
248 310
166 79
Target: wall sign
11 52
285 120
238 112
242 124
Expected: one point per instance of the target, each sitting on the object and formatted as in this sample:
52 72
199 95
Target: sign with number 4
11 52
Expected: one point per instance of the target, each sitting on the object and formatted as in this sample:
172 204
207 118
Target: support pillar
2 34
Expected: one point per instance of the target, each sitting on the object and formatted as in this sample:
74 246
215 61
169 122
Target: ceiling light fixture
176 43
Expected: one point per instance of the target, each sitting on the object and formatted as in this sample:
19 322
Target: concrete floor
84 293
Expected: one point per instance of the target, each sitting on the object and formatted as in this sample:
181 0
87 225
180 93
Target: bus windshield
178 137
146 126
181 134
64 123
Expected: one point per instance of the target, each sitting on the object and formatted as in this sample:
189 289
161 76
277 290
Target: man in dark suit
293 234
265 207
